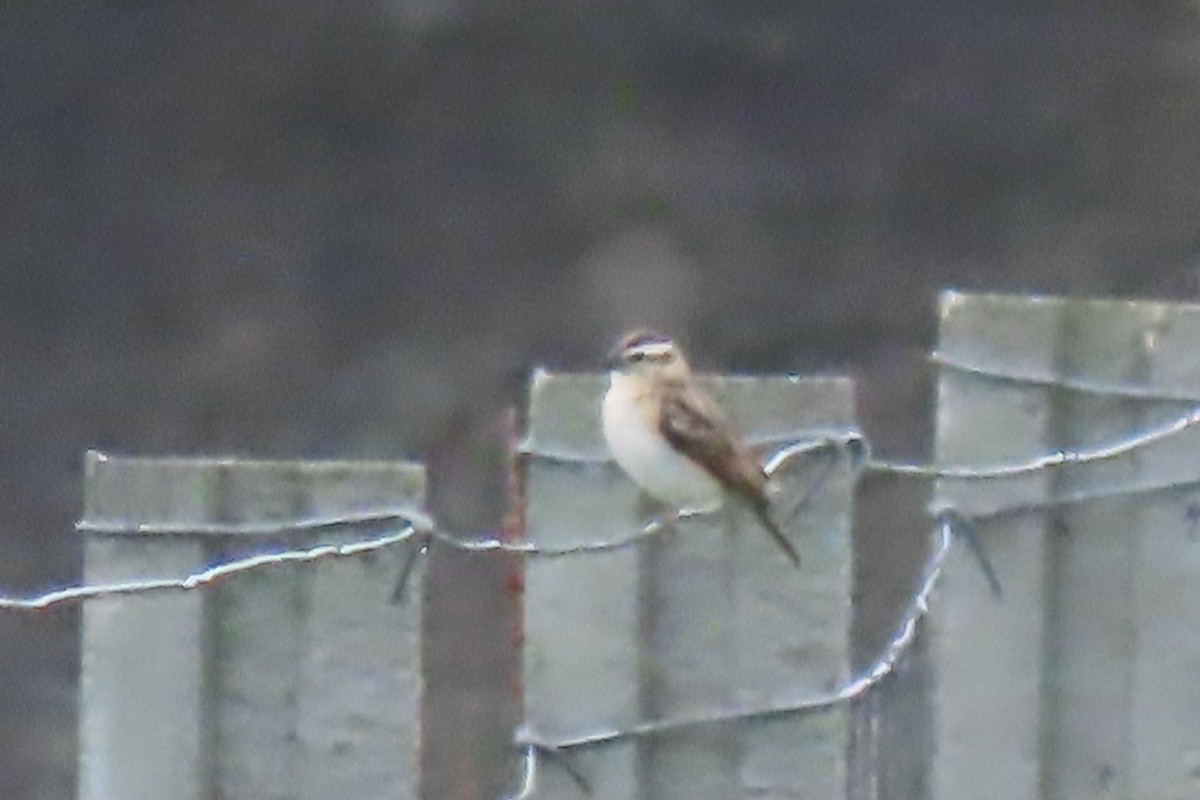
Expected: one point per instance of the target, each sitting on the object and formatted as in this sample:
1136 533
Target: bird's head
645 352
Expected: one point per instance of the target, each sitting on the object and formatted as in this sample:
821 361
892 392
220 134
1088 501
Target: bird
671 437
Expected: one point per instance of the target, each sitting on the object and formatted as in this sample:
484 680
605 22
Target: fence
297 683
1085 675
695 663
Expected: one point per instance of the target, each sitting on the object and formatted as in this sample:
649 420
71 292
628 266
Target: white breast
647 457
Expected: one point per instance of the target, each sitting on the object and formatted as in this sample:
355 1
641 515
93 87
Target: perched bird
672 438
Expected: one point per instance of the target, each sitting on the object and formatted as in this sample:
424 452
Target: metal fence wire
684 659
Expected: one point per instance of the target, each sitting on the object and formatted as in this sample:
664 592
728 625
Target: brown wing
695 426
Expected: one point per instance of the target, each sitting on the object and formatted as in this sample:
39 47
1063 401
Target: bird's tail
763 513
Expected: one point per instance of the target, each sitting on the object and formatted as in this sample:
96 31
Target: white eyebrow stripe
654 349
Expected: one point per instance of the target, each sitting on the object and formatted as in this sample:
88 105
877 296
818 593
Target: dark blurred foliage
315 228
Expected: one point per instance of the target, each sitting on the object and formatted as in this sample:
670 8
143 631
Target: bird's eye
637 355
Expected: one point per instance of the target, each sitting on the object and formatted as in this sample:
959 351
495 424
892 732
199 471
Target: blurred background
348 229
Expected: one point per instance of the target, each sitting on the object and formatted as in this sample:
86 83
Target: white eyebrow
654 349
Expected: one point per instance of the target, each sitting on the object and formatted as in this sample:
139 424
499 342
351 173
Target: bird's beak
614 360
